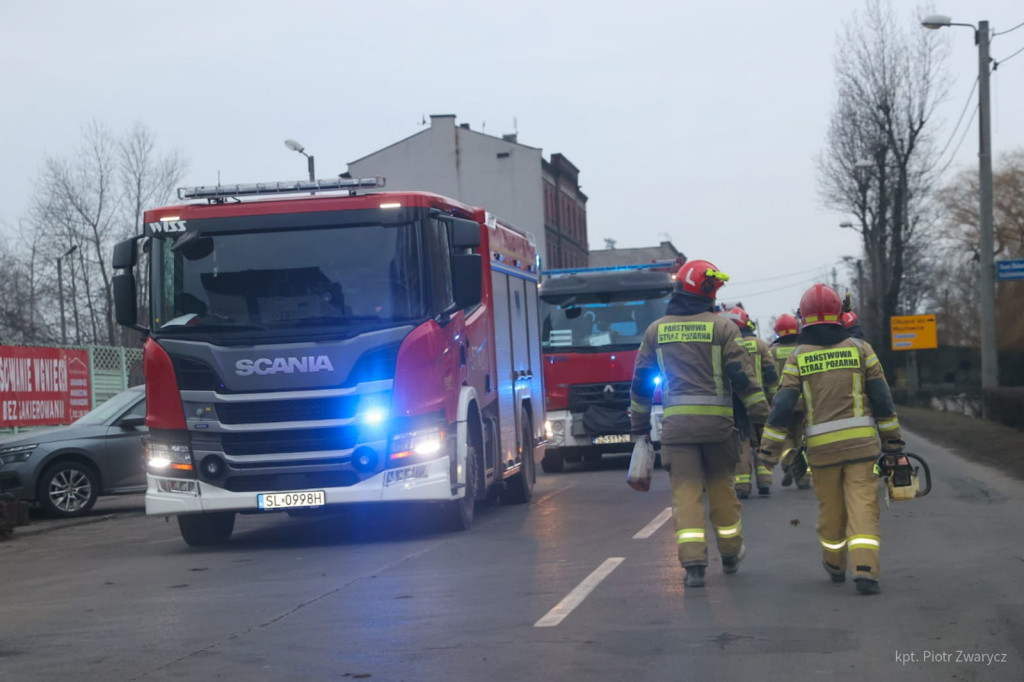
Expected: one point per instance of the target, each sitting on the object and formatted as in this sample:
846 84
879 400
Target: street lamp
60 295
296 147
986 245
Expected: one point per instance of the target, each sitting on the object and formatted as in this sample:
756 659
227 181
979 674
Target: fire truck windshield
288 279
589 324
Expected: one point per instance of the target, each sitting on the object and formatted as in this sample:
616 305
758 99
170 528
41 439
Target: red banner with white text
43 386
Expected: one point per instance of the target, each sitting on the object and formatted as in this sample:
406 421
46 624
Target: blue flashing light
375 416
613 357
657 380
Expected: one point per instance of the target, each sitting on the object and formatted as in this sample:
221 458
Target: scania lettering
244 368
353 346
592 322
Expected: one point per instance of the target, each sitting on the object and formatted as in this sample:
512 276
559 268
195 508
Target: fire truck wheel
520 487
459 513
553 463
204 530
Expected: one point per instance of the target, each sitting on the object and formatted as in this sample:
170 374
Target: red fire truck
354 346
592 322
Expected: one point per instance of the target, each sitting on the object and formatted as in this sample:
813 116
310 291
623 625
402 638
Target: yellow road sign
913 332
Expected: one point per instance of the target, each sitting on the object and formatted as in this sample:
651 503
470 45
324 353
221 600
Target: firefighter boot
694 576
867 585
731 562
833 572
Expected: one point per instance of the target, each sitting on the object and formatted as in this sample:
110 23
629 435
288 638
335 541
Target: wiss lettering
306 364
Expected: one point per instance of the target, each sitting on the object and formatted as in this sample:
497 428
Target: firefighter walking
767 375
794 457
697 355
848 410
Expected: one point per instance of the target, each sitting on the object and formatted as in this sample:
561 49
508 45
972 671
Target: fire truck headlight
548 429
169 456
422 444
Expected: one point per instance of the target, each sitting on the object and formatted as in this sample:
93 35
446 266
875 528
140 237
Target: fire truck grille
269 411
583 396
304 440
302 481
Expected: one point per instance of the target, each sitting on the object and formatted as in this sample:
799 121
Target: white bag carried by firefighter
641 465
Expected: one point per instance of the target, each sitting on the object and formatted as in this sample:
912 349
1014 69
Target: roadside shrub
1006 405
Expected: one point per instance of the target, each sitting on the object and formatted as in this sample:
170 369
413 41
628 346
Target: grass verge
973 439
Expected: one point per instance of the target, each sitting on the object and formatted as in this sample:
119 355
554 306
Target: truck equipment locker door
504 379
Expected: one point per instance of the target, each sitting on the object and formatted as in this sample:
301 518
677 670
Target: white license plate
302 498
615 438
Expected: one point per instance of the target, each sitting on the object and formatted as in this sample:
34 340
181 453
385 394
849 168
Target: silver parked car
66 468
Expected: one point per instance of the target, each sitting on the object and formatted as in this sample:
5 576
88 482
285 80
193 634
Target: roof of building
463 127
635 256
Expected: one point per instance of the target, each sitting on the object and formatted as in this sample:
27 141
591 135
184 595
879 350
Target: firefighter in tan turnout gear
701 363
767 376
794 458
848 408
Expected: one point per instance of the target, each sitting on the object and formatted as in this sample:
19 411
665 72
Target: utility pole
986 240
60 295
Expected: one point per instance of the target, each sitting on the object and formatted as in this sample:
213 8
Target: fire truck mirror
466 279
125 255
125 310
465 233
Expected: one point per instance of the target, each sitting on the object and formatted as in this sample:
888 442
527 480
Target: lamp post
60 295
986 239
296 147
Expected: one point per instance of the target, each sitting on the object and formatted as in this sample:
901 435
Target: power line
1009 30
788 274
970 97
802 283
967 129
996 63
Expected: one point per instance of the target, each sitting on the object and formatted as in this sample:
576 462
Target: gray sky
699 121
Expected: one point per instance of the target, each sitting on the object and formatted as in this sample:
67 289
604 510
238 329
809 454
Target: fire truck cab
592 323
341 348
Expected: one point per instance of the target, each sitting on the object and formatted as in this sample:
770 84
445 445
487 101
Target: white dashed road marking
652 527
579 593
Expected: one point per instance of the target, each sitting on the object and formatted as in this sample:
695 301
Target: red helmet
740 317
820 305
786 325
849 319
700 278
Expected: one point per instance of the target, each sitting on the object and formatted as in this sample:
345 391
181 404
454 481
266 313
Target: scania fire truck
342 345
592 322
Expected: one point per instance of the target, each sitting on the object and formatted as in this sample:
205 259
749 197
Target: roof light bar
294 187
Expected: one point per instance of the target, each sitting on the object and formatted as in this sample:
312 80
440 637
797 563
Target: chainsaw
901 476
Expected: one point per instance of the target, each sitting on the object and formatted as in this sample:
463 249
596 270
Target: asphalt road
582 584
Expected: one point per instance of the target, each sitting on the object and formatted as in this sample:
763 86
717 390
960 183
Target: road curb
47 527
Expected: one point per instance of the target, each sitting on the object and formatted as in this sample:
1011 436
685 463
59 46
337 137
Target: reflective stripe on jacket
695 356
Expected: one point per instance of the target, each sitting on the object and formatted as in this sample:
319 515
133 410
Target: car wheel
68 489
520 486
204 530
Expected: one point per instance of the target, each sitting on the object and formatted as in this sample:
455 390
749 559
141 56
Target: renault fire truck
341 345
592 322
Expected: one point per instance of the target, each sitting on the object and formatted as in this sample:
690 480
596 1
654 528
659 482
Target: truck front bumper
424 482
564 430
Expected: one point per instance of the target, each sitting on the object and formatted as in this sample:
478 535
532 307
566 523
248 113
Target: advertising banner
43 386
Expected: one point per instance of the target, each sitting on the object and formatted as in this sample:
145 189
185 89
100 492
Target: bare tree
878 163
88 201
958 237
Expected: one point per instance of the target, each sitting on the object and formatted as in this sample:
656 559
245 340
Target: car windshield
594 325
288 279
111 409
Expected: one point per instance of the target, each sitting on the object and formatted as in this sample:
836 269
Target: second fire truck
592 322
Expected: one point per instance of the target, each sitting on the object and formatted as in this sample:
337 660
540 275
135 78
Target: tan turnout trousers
694 468
848 518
